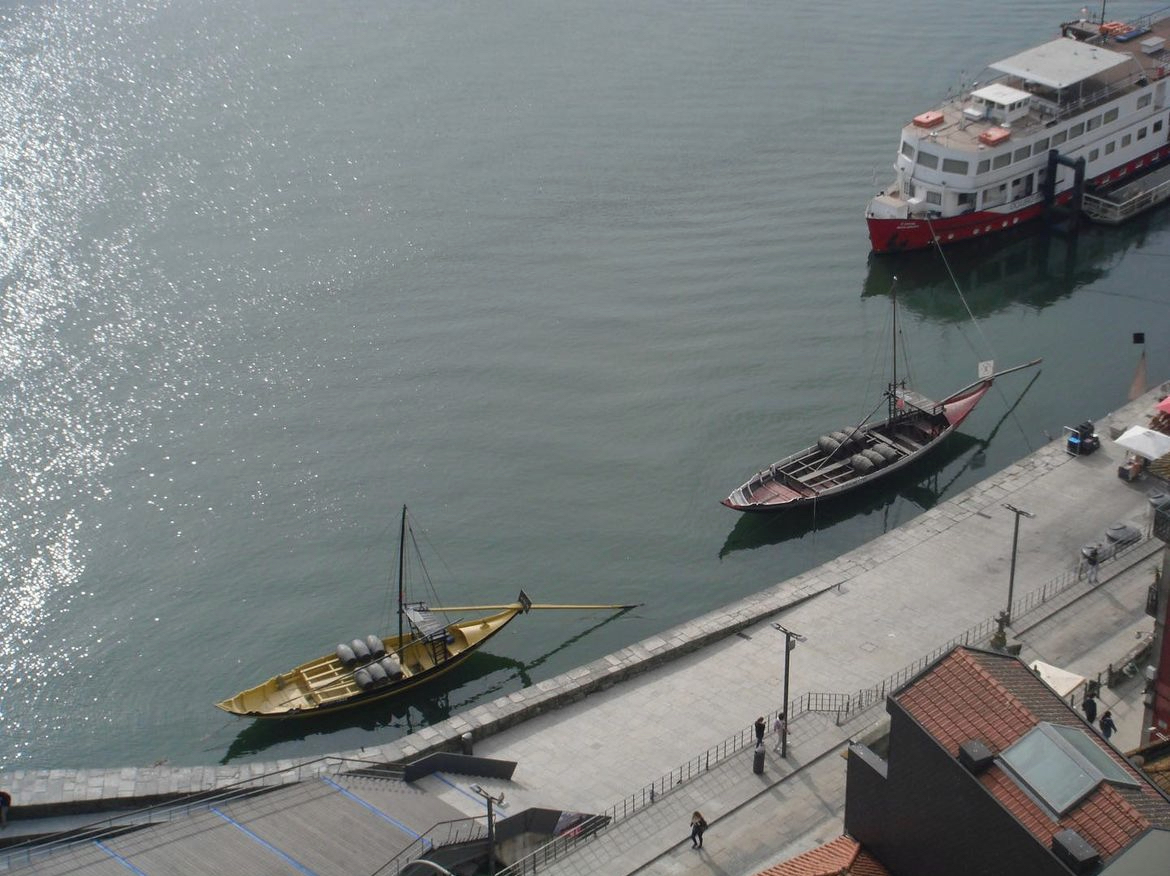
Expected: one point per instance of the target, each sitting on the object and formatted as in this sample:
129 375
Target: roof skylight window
1060 764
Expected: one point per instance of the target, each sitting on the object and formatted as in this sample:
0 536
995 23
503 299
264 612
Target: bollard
465 743
758 760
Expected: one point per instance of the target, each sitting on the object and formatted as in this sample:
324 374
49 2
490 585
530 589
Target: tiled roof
996 699
1154 760
842 857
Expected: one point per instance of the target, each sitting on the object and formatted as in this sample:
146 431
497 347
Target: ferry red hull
900 235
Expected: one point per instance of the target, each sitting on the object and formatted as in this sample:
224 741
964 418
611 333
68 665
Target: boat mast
893 394
401 558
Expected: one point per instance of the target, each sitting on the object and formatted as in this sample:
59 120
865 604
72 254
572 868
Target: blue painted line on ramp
118 858
389 819
288 858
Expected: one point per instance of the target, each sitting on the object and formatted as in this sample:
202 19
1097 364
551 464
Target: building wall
929 815
1156 722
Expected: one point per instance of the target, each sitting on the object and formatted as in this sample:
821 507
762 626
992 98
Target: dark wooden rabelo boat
848 459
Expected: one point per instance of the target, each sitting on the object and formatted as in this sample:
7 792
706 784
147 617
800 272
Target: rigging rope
978 327
955 283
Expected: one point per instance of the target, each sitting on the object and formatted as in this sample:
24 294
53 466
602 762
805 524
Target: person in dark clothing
761 728
1108 728
698 825
5 802
1092 560
1089 707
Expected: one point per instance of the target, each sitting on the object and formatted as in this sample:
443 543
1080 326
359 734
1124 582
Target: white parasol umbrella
1145 442
1060 680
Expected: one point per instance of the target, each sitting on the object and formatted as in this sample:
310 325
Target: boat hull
324 685
1080 111
814 475
902 235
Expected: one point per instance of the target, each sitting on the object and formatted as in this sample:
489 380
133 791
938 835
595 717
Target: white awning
1060 63
1060 680
1145 442
1000 94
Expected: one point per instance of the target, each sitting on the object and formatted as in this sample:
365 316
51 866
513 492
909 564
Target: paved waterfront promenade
583 741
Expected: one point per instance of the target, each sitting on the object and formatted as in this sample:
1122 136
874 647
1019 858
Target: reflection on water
480 678
1033 268
923 484
917 484
400 716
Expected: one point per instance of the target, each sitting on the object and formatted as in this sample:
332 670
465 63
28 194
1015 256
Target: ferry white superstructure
1086 109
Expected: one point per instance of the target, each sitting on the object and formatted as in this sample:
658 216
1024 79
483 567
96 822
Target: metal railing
197 801
846 707
445 833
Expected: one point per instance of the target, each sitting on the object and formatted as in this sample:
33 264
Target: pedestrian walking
1092 560
698 825
780 727
761 727
1108 728
5 802
1089 707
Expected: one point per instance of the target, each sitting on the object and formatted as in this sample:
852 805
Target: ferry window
1143 100
907 150
1094 154
1094 123
1040 146
1109 147
953 165
1076 130
1157 126
928 159
984 166
934 197
1059 138
1126 140
1022 153
1111 115
1142 133
965 198
1002 160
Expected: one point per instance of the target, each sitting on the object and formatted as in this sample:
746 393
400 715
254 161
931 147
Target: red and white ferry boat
1086 109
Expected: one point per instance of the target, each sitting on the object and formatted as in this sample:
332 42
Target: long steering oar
533 606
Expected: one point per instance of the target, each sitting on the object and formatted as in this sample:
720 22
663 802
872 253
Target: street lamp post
491 801
999 640
790 640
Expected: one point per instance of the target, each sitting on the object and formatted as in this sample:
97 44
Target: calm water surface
556 277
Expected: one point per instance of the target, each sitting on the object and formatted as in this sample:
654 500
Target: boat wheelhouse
1086 109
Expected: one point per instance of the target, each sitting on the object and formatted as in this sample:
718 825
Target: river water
556 276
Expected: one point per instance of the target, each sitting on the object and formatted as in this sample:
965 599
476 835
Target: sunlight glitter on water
74 324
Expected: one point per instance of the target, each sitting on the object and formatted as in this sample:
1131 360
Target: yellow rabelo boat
373 668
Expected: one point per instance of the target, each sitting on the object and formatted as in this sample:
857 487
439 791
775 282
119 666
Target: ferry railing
845 706
184 805
1113 211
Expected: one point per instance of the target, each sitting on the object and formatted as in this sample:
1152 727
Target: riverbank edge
51 792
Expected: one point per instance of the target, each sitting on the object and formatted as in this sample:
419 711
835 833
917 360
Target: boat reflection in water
881 506
1034 268
478 679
